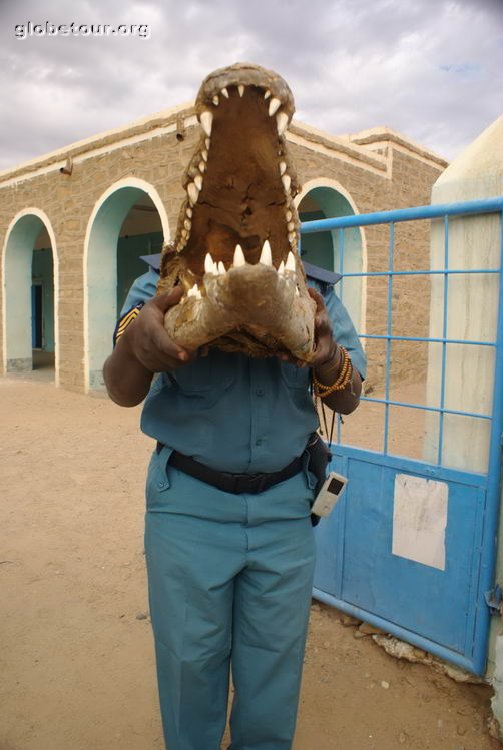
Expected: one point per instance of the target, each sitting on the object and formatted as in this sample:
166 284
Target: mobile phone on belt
331 491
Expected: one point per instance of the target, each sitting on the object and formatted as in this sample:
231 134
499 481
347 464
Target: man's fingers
326 347
168 299
318 298
321 320
164 343
168 347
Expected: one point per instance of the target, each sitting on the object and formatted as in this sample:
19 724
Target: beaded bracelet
345 376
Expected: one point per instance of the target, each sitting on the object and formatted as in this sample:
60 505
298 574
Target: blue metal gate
364 567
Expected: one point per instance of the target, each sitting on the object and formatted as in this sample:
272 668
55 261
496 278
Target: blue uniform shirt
237 413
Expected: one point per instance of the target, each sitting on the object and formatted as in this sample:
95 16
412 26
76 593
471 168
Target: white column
474 242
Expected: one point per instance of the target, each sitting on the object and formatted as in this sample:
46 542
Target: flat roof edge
139 126
384 134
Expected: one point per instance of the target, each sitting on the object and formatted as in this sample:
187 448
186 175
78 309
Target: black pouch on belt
319 458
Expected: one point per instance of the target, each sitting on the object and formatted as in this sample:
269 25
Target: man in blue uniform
228 537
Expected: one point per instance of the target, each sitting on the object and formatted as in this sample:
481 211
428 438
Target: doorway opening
30 321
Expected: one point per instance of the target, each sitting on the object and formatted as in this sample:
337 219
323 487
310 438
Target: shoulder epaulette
154 261
321 274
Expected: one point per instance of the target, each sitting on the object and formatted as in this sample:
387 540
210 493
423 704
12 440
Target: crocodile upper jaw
239 211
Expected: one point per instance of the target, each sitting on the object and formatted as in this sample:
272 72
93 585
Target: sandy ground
76 656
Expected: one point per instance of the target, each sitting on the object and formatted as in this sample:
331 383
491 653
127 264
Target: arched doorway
322 200
30 272
128 221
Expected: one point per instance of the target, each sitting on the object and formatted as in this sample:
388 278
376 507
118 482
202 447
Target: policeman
228 538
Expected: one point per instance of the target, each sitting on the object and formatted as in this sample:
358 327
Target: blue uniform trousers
230 581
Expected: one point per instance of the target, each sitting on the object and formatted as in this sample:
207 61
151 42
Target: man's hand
325 346
327 361
325 352
147 339
143 348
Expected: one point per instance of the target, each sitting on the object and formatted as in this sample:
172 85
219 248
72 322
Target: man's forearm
126 379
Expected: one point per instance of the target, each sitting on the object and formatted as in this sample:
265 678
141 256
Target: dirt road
76 656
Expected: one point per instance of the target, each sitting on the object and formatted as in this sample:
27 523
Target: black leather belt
236 484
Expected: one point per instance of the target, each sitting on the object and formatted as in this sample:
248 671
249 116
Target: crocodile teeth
267 94
215 100
289 215
239 258
224 92
291 226
198 181
192 192
206 120
194 292
274 105
266 255
297 293
207 143
282 122
287 181
292 237
188 211
208 264
201 166
282 167
204 155
290 262
187 224
241 89
281 269
220 267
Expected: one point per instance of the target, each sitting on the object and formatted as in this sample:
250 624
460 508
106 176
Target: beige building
73 224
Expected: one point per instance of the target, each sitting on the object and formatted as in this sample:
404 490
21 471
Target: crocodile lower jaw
255 299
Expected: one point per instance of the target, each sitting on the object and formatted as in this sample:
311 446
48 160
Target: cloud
430 69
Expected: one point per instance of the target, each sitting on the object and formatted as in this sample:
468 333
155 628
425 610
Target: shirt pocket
206 379
295 377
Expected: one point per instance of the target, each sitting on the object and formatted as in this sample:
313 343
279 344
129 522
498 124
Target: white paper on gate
420 520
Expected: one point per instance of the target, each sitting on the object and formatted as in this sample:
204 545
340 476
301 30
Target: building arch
101 268
17 298
324 198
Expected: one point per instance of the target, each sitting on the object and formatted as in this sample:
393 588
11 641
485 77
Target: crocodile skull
235 250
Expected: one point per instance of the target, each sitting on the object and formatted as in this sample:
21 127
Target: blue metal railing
440 211
486 206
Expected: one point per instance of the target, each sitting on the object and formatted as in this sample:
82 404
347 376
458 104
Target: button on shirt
233 412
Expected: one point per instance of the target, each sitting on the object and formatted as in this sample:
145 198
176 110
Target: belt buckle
250 484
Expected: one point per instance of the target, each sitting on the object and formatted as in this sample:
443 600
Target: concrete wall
150 159
407 182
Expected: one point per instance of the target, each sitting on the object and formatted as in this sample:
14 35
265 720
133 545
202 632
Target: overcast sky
431 69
